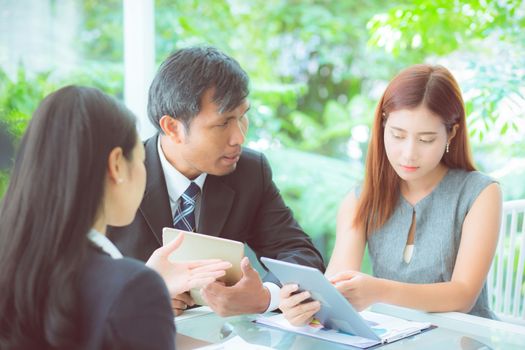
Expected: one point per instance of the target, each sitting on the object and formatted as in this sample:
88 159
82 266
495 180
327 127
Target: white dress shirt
104 243
176 184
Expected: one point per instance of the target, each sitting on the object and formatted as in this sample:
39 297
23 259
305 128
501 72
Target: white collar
104 243
176 182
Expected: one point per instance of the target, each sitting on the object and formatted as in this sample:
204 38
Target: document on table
388 328
235 343
196 311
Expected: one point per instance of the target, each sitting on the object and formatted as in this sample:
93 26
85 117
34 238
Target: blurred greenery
18 99
317 69
300 183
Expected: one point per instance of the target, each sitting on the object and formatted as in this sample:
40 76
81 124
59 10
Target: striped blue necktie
184 218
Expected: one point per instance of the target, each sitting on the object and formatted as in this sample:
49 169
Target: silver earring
119 181
447 148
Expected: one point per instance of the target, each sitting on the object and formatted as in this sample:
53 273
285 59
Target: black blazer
245 206
125 305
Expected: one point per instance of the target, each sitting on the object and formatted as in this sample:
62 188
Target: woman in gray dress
430 220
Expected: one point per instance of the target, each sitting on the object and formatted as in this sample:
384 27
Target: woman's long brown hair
435 88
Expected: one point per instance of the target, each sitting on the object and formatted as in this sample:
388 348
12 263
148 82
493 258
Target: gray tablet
197 246
336 312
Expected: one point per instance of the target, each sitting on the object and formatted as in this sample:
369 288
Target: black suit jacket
245 206
125 305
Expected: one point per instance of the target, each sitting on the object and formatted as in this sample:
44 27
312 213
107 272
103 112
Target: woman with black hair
6 147
64 284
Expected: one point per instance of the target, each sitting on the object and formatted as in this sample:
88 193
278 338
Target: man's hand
248 296
181 276
180 302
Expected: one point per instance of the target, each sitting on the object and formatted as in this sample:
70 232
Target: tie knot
191 193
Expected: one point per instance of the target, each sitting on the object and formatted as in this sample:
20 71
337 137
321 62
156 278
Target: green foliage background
317 69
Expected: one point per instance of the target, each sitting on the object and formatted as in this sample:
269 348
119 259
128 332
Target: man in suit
201 178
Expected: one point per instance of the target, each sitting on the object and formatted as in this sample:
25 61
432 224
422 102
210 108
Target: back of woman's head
55 194
434 88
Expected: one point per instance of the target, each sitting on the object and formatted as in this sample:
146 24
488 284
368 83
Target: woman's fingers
302 313
289 296
295 299
343 276
204 274
293 305
193 264
203 279
169 248
288 289
344 286
201 282
212 266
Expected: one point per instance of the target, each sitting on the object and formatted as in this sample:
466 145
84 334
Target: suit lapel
155 206
216 203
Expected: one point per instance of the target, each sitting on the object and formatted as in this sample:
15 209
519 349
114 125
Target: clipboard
340 322
336 312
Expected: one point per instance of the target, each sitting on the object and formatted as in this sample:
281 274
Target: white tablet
336 312
196 246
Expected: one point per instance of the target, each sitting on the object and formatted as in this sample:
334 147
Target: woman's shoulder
470 178
97 258
115 274
130 298
468 185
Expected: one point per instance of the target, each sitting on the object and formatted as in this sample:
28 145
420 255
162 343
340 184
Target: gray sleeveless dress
439 218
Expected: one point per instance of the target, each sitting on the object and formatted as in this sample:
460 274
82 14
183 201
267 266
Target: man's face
212 144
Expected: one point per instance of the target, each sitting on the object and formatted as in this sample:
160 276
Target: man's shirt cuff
275 297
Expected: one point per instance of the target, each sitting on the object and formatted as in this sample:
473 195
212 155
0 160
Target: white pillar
139 59
39 35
